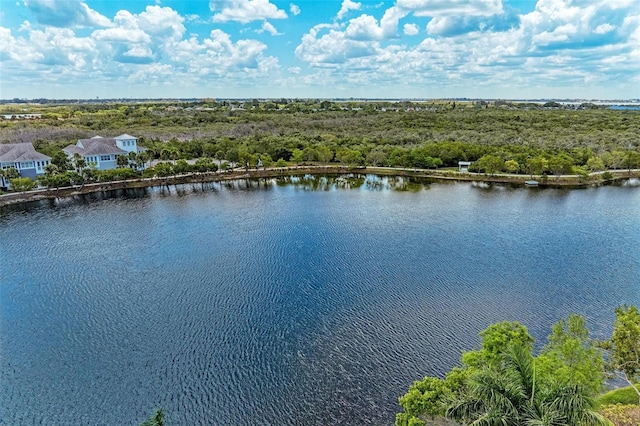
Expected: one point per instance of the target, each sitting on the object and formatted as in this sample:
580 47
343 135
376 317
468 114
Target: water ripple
289 303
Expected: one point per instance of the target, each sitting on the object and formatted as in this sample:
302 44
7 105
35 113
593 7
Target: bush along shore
136 180
505 383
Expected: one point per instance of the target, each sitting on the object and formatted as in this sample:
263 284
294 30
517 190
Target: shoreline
566 181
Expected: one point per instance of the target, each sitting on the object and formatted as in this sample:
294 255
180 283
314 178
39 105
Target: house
103 152
24 158
463 166
21 116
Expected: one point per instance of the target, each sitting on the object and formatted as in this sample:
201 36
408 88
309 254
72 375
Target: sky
500 49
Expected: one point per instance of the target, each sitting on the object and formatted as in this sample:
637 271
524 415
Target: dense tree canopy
497 137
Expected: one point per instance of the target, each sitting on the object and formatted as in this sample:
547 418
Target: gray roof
95 146
126 136
20 152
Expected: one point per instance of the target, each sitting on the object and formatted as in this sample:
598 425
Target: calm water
286 304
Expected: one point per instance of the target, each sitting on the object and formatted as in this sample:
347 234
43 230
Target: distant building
21 116
103 152
463 166
24 158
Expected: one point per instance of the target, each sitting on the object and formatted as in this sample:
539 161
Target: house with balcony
103 152
24 158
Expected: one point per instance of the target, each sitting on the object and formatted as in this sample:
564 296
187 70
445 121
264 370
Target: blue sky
512 49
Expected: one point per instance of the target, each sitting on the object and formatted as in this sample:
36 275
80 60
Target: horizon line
361 99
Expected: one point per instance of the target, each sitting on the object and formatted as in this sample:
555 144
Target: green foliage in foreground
157 419
503 383
624 347
625 396
22 184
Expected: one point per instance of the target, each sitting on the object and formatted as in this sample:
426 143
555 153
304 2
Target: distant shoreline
565 181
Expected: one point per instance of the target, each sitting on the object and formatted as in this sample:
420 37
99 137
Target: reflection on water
354 181
301 300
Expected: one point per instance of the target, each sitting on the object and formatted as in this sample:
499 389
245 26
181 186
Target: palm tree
507 394
7 174
79 163
122 161
143 157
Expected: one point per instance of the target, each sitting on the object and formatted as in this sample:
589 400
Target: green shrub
626 395
22 184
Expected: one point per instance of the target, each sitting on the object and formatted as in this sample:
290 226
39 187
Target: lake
313 301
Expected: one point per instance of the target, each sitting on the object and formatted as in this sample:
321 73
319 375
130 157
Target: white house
103 152
24 158
21 116
463 166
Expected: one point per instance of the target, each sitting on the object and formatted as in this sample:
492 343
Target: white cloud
390 20
162 22
152 74
139 52
451 7
218 56
604 28
440 25
153 31
147 49
575 24
225 54
26 26
364 27
192 17
411 29
267 27
333 47
467 46
561 43
122 35
245 11
53 47
66 13
559 34
347 5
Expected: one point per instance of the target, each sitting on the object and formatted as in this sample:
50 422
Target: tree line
406 124
498 137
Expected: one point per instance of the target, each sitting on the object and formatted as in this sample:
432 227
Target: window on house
105 158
